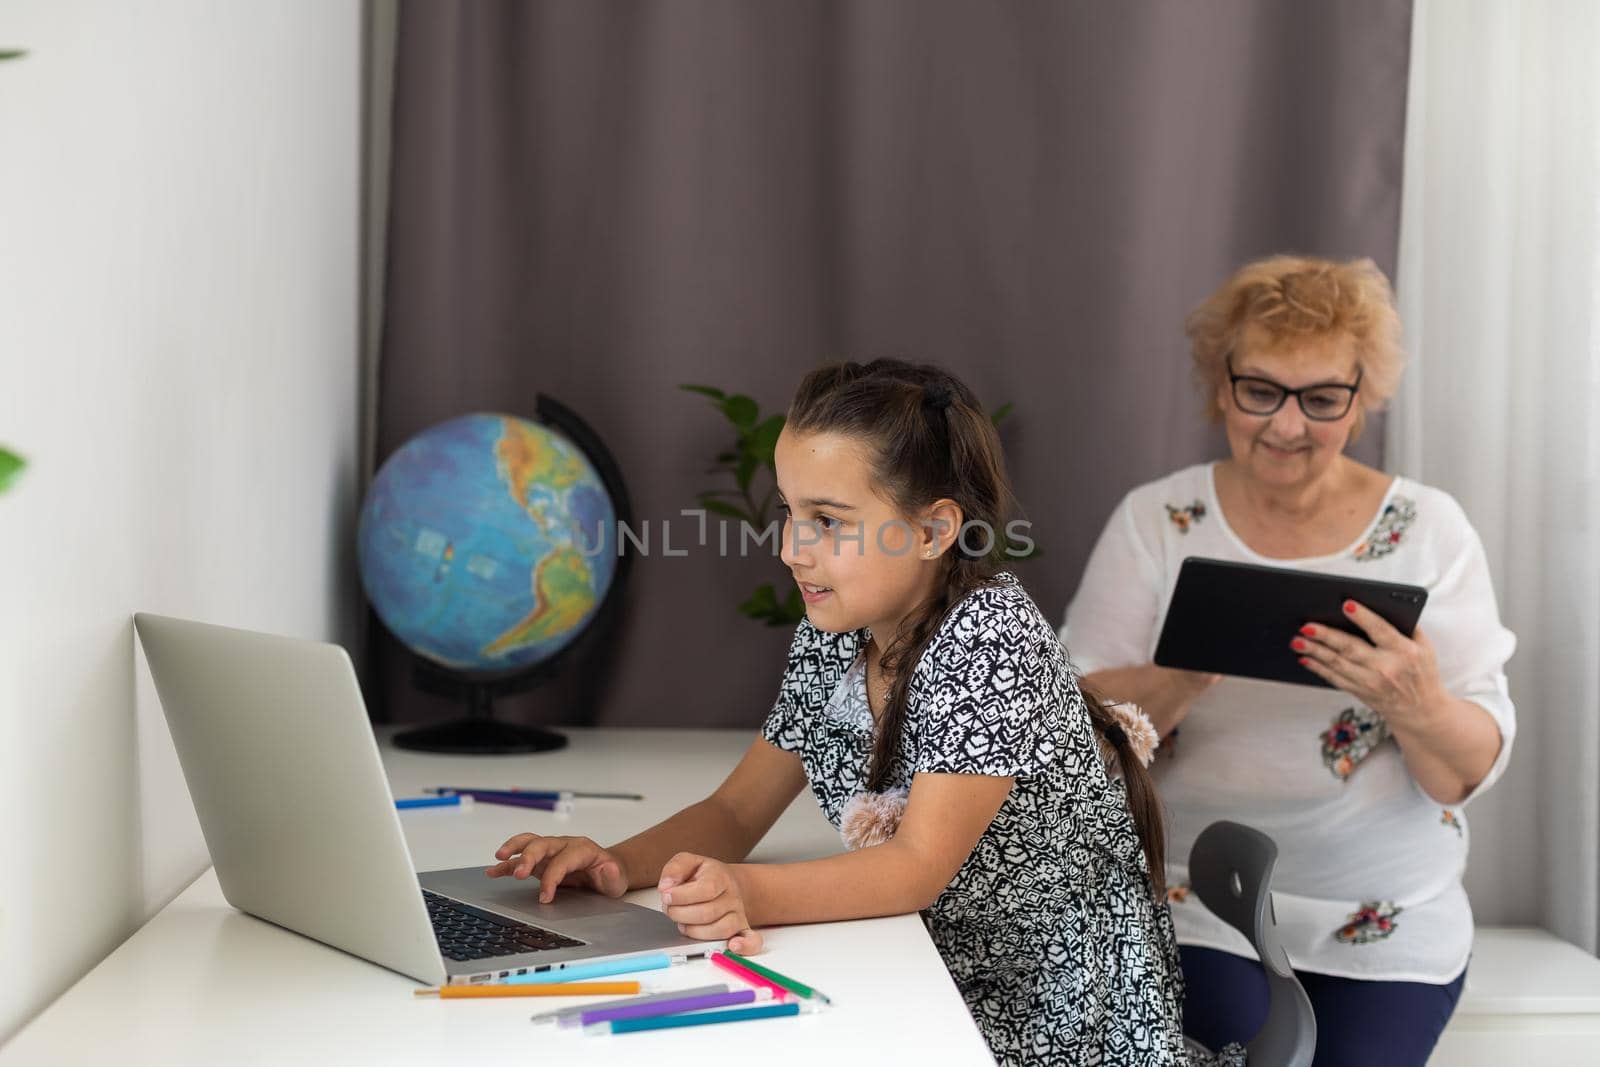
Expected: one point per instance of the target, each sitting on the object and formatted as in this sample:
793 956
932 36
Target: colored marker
431 802
788 983
705 1018
517 800
599 969
554 989
569 1016
745 973
675 1006
547 794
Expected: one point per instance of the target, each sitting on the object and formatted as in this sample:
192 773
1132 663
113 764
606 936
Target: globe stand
480 733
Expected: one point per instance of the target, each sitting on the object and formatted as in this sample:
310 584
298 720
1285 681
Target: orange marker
552 989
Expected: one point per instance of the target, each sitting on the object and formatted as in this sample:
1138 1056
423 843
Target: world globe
486 543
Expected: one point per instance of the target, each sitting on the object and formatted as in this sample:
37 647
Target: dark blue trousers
1359 1023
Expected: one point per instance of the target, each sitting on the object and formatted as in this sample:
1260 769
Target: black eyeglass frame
1284 393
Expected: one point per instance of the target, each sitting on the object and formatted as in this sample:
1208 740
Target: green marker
799 988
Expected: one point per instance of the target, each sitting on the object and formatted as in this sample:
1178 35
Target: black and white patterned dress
1049 928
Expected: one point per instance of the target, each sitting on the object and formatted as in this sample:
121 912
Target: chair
1230 868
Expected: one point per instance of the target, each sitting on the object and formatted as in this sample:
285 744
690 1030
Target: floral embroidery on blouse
1448 818
1177 894
1183 518
1374 921
1386 536
1350 740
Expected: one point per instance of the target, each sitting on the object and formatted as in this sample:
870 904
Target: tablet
1238 618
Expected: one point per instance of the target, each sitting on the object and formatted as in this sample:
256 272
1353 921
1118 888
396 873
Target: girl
922 680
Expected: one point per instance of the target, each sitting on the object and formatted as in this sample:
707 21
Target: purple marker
672 1007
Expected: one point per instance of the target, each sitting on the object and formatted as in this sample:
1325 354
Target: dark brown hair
930 439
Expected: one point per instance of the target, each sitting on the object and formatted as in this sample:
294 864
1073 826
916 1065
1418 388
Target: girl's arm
727 824
945 816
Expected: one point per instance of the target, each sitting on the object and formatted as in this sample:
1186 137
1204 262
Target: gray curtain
601 200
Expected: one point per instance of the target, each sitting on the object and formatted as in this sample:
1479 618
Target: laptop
284 772
1238 618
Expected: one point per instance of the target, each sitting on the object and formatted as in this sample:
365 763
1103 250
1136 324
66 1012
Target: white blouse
1368 880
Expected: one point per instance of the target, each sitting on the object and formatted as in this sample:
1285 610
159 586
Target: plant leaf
761 603
717 507
704 390
763 441
1000 413
12 53
741 410
746 470
11 465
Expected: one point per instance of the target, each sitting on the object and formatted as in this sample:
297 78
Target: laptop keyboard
469 933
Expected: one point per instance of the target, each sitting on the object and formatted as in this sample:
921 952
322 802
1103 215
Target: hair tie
1131 727
936 397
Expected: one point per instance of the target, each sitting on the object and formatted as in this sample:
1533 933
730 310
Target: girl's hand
703 897
1396 676
557 861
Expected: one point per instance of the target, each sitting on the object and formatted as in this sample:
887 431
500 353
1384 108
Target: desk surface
201 983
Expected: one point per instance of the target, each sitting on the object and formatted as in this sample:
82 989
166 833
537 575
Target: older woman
1362 785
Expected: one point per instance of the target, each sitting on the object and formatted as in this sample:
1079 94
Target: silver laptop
284 773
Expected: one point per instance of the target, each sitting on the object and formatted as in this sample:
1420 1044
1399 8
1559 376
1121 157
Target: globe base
477 736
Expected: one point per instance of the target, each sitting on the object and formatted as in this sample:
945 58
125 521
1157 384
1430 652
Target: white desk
204 984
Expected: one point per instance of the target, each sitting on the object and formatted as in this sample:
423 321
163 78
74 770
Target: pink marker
738 971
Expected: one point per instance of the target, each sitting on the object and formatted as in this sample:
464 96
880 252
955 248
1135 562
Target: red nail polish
1298 645
1304 662
1349 607
1309 630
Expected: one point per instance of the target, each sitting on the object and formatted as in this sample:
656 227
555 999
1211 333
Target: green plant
11 465
755 441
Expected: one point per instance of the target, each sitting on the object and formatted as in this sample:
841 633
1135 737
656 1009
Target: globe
486 543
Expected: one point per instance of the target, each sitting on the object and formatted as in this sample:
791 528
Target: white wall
179 218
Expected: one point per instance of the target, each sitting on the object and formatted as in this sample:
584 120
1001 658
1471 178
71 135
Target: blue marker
582 972
431 802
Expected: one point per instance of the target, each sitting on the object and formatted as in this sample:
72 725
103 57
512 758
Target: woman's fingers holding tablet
1376 627
1397 676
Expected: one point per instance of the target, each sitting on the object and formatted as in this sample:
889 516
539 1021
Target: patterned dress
1049 927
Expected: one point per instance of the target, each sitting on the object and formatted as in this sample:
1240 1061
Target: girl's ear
941 525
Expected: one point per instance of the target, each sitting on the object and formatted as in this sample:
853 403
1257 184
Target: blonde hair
1295 300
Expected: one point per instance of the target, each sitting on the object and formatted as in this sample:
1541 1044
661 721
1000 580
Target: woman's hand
557 861
1396 676
704 898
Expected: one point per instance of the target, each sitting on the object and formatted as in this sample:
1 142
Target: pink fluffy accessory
871 818
1130 721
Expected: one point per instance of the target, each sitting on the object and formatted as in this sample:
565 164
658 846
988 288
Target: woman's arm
1449 743
727 824
1163 694
1448 747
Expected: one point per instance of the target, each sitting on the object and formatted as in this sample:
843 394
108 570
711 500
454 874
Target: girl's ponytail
1129 737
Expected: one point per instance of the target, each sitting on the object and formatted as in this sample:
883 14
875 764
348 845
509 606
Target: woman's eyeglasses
1263 396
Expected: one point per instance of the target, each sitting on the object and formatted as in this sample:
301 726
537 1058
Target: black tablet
1238 618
